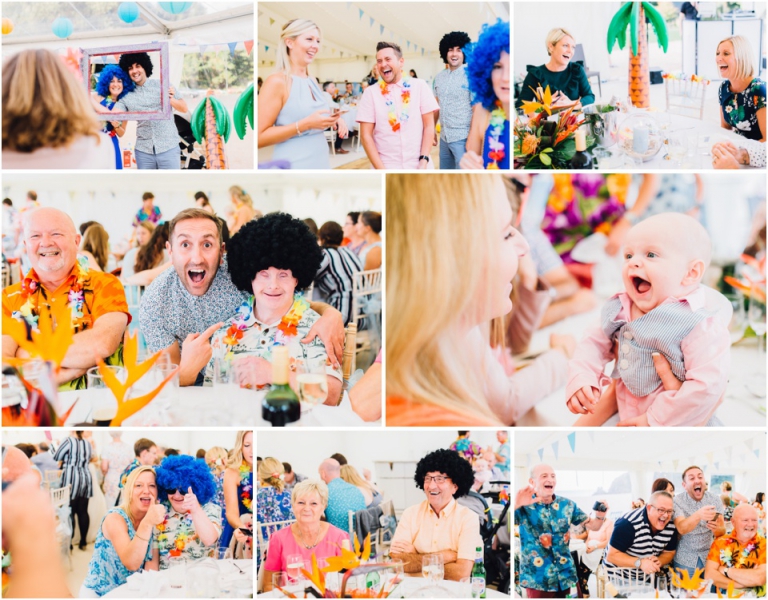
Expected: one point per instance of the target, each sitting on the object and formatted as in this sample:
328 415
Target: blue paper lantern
62 27
175 8
128 11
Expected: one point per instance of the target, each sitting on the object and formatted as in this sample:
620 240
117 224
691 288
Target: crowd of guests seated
690 531
210 292
159 504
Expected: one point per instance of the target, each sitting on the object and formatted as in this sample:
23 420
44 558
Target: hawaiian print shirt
135 464
154 217
740 108
545 559
727 552
176 535
468 449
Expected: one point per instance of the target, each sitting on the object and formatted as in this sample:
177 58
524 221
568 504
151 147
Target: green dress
572 82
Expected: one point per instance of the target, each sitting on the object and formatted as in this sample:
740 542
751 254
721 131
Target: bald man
342 496
738 559
663 310
57 277
547 569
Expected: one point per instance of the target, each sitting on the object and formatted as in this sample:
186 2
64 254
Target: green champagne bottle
281 404
478 575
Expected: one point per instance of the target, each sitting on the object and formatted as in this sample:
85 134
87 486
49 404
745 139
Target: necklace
303 543
405 96
30 287
496 147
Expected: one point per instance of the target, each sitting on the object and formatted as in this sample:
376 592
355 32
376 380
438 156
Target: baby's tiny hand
584 400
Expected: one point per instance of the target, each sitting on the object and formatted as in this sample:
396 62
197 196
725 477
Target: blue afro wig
182 472
481 56
105 78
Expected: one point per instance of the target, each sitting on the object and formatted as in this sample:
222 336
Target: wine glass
738 324
756 316
432 568
313 382
677 147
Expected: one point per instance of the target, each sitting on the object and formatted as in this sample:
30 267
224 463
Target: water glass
432 567
738 324
293 566
313 382
176 571
103 401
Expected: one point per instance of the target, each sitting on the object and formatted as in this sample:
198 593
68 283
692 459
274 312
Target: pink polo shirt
397 149
707 356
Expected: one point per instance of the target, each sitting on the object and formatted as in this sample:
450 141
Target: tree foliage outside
218 70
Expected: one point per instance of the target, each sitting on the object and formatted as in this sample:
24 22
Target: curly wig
181 472
105 78
450 464
451 40
136 58
275 240
481 56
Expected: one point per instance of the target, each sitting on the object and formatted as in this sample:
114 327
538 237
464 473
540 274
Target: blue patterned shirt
343 497
545 559
452 92
152 137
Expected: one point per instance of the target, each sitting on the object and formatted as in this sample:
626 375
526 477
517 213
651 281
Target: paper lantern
175 8
128 11
7 26
62 27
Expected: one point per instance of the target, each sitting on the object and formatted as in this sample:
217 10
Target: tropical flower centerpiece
541 143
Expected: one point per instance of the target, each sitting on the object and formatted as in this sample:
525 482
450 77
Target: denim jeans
451 153
170 159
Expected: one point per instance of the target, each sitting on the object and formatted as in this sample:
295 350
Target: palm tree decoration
211 122
633 14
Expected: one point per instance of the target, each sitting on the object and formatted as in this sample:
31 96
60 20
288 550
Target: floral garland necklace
727 557
498 124
405 96
29 310
246 486
185 534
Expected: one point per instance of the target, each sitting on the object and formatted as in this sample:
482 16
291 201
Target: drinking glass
677 147
313 382
756 316
738 324
432 567
103 401
176 572
293 566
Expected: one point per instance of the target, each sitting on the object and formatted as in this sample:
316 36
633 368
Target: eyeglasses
173 492
436 479
662 511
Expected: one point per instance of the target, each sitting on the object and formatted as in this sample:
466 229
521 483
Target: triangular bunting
554 448
674 465
203 48
361 13
271 21
409 44
757 452
371 18
571 436
381 29
266 48
248 46
232 46
422 51
541 453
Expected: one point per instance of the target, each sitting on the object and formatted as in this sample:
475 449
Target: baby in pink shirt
663 309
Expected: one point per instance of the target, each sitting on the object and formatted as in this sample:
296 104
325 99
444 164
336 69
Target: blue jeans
170 159
451 153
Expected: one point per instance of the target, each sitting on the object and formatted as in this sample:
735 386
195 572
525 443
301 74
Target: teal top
572 82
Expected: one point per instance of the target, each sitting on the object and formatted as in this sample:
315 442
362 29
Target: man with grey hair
547 569
645 537
342 496
699 520
58 278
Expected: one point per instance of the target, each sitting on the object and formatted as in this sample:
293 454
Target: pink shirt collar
695 299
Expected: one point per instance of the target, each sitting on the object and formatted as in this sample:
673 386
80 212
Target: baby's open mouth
641 285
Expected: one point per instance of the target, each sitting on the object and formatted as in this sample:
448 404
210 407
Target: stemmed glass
738 324
756 316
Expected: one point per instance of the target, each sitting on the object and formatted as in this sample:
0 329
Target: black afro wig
136 58
449 463
275 240
179 472
451 40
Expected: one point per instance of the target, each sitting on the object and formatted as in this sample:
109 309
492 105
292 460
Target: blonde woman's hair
291 30
309 486
241 196
444 267
96 241
742 52
351 475
555 35
270 470
236 456
216 459
726 485
130 483
148 225
43 104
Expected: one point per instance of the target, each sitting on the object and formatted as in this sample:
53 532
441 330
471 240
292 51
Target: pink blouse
282 544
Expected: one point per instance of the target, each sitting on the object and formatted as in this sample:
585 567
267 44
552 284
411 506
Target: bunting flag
248 46
717 465
381 29
203 48
674 465
409 45
371 25
554 448
232 46
757 452
422 51
571 436
271 21
541 453
361 14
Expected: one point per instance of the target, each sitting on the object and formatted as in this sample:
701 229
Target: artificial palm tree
632 15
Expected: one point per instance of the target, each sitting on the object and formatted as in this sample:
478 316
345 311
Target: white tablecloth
708 134
209 406
410 585
739 408
227 571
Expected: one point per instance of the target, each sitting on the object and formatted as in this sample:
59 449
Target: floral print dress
271 507
740 108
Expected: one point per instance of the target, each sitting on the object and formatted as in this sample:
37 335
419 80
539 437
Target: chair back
350 349
366 284
578 55
60 496
52 479
686 97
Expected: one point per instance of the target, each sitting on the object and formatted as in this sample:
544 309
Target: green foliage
554 158
218 70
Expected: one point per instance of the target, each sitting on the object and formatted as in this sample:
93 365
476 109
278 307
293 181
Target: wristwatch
725 572
638 562
423 157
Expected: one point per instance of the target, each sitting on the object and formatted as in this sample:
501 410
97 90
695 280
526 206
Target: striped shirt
452 92
633 535
334 281
75 454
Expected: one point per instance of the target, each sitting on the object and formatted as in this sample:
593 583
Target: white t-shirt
85 152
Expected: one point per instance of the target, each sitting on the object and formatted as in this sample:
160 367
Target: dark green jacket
572 82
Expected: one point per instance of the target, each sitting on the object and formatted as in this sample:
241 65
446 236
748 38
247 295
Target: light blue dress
105 571
310 149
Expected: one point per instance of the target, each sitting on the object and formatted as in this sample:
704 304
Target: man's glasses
662 511
437 479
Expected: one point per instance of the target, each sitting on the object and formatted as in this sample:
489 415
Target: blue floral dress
272 506
740 108
244 505
106 571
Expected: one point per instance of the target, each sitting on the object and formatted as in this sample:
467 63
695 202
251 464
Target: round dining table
227 406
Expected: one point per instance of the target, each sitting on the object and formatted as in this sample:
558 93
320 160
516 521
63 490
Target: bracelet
424 157
297 128
141 538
